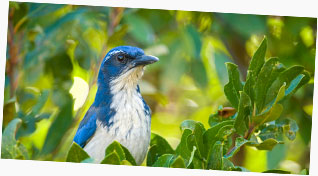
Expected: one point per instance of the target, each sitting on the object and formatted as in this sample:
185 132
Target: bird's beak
144 60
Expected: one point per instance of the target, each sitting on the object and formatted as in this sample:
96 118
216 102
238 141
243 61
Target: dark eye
121 58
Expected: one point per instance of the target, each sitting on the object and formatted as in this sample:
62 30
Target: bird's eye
121 58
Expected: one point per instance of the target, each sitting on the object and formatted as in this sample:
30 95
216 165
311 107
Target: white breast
130 126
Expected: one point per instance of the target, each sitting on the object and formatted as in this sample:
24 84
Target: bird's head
123 66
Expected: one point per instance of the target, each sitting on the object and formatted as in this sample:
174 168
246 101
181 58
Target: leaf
258 58
271 115
182 148
249 86
243 114
140 29
76 154
196 138
122 152
232 88
277 171
8 112
158 147
198 73
116 147
239 142
178 163
210 135
262 82
268 144
285 76
111 158
215 157
59 126
227 164
289 127
10 147
164 161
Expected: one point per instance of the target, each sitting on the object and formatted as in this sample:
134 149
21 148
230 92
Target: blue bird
119 112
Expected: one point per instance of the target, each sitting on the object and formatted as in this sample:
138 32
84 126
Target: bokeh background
54 52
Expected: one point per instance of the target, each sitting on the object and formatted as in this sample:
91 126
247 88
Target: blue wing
86 128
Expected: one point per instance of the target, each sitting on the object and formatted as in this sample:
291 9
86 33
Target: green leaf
8 112
10 147
289 127
262 83
158 147
116 147
244 111
164 161
140 29
122 152
258 58
76 154
111 158
182 148
286 76
215 157
239 142
271 115
268 144
210 136
59 126
232 88
249 86
277 171
227 165
178 163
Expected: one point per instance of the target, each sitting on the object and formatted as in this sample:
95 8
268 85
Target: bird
119 112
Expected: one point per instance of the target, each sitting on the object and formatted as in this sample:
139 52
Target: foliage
255 123
54 52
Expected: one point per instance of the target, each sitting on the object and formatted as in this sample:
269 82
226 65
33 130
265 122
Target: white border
304 8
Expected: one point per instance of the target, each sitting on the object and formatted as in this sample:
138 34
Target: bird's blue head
124 65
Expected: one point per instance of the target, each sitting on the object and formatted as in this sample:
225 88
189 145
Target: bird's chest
130 126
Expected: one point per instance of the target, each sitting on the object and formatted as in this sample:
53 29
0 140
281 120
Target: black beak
144 60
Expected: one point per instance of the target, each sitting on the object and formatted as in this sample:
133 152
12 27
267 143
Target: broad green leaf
232 88
277 171
111 158
249 86
225 132
215 157
289 127
126 162
88 160
158 147
286 76
182 148
164 161
268 144
196 138
270 115
76 154
227 164
8 112
244 111
239 142
122 152
178 163
262 82
258 58
59 126
140 29
116 147
10 147
210 135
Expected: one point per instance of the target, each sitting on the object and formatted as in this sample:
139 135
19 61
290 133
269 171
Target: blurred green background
54 52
